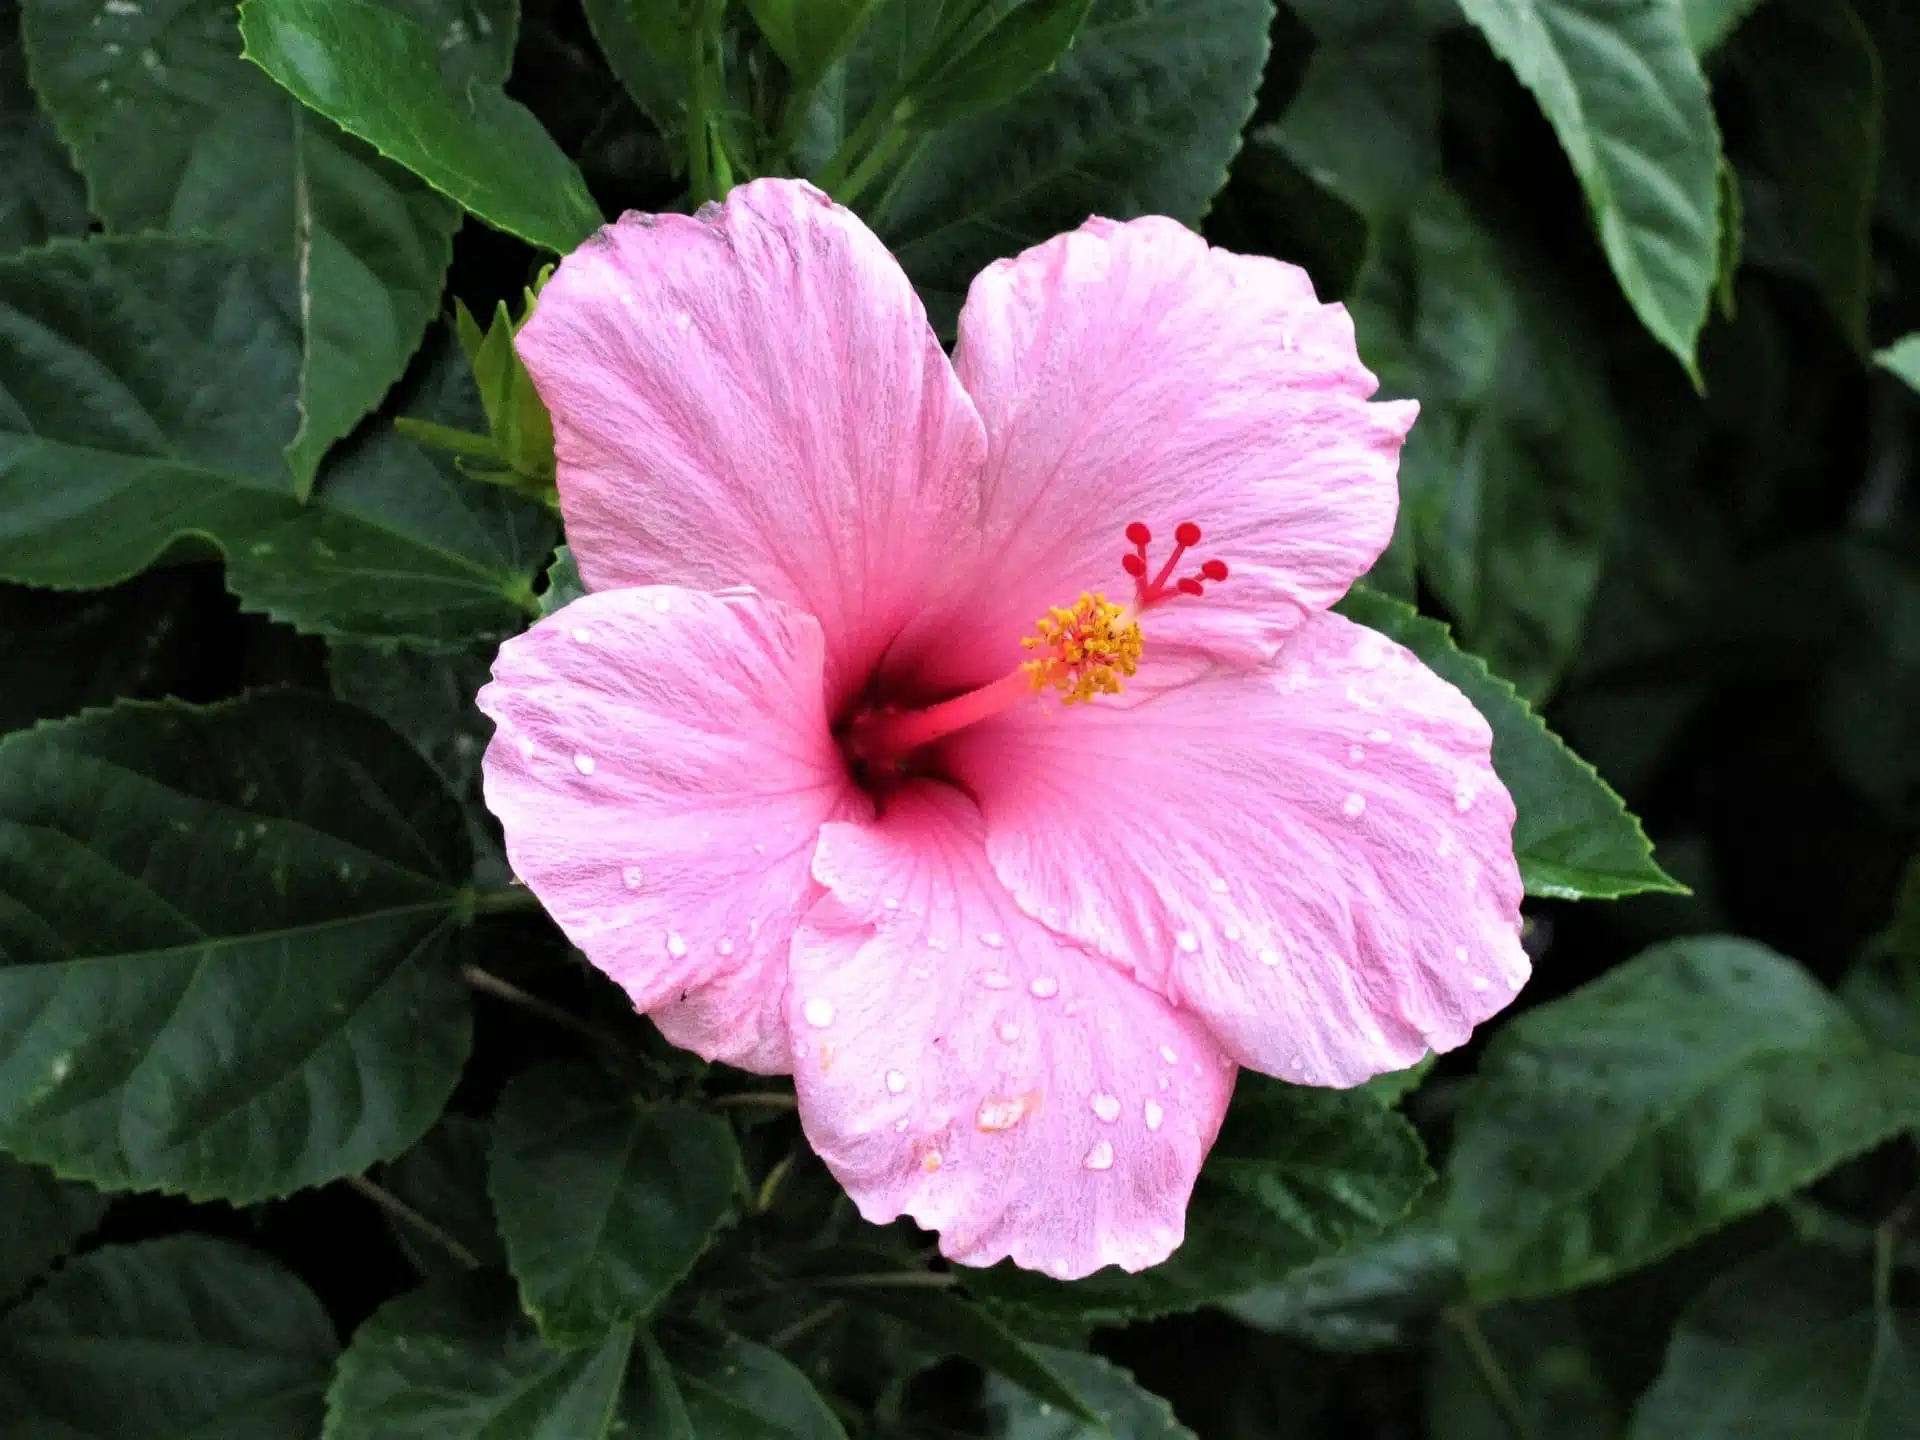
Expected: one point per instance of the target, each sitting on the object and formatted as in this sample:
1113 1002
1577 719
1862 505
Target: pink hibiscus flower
847 767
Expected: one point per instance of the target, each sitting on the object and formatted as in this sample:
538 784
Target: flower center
1085 649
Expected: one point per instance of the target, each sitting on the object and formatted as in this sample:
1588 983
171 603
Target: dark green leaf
650 51
809 35
1814 85
988 57
1903 359
147 385
1624 92
1546 1370
187 1338
728 1388
959 1327
176 132
1140 117
605 1203
1297 1174
1793 1345
1711 21
455 1360
1125 1410
224 941
41 1219
444 1180
1511 481
1383 1293
1883 987
1573 836
376 74
1702 1080
40 196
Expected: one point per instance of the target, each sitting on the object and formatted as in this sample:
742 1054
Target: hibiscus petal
1316 856
752 396
958 1063
662 766
1130 372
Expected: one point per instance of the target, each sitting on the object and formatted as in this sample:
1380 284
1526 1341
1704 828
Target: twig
406 1214
489 983
1499 1384
813 1320
761 1099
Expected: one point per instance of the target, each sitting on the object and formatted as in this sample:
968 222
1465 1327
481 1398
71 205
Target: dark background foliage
307 1120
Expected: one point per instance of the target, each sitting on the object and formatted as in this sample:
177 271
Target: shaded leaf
224 941
1573 836
376 74
1623 90
1297 1174
41 1219
1126 1410
1798 1344
444 1179
187 1338
40 195
728 1388
1700 1081
957 1327
1140 117
605 1203
147 385
1382 1293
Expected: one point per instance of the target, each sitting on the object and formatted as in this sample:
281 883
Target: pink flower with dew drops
849 766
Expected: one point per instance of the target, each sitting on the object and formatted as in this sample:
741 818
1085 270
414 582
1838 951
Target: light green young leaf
1813 82
1297 1174
1139 117
186 1338
226 971
1624 92
176 132
1797 1344
376 74
1902 358
41 1219
1699 1082
605 1203
1126 1410
147 385
1573 837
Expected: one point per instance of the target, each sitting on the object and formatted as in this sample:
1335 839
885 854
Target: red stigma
1163 586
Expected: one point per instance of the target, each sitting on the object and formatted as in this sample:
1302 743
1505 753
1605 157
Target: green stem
781 1339
412 1218
1499 1384
878 158
835 170
889 1280
488 983
763 1099
507 900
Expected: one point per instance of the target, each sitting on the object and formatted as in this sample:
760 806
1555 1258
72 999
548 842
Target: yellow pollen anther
1085 651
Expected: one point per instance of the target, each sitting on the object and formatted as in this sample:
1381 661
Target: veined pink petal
662 766
961 1064
1132 373
1315 856
752 396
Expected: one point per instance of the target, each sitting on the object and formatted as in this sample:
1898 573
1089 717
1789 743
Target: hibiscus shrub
889 797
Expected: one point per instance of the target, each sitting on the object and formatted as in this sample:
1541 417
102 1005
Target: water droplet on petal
1356 755
662 604
1217 885
819 1012
1107 1107
1379 737
1269 956
1100 1157
676 946
583 635
526 747
890 903
931 1161
585 764
725 947
993 939
1354 806
1167 1054
1009 1031
1187 941
934 942
1044 987
1463 798
633 877
1460 953
994 980
1154 1115
896 1082
1480 982
901 1124
1165 1084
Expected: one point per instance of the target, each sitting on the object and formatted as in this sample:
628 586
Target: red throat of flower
1082 650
